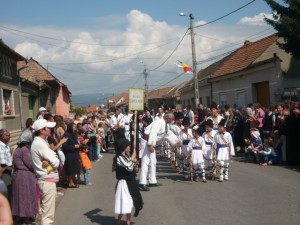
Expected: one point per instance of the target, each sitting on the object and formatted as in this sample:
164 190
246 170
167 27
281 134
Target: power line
171 53
88 53
215 20
85 43
201 26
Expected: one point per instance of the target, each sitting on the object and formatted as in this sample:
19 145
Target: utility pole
194 60
146 85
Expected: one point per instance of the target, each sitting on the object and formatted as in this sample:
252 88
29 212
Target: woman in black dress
71 151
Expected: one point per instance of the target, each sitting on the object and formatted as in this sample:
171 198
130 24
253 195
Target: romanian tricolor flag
186 68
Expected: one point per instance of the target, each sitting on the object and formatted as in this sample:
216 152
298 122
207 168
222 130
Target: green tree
287 23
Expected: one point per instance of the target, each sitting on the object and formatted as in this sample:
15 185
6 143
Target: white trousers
48 195
148 163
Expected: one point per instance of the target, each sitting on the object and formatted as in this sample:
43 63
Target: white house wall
231 86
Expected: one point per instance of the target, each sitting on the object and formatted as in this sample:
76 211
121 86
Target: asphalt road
255 195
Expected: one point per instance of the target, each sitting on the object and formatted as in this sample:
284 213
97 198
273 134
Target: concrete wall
230 87
63 103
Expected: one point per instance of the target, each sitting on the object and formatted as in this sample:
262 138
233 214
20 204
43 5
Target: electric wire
201 26
85 43
222 17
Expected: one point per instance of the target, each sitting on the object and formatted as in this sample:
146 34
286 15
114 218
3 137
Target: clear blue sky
96 46
78 13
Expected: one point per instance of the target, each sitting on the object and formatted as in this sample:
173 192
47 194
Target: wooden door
263 92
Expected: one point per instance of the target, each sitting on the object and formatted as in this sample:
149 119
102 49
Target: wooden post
135 128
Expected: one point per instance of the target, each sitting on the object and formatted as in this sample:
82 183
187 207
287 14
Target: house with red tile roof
256 72
120 100
159 97
52 94
10 94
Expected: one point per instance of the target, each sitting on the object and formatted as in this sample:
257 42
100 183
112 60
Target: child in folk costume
225 150
185 137
196 148
215 117
210 153
177 127
127 192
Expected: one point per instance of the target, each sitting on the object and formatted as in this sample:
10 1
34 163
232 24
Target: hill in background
90 99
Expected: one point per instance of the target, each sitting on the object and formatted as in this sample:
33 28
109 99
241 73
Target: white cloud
258 20
108 59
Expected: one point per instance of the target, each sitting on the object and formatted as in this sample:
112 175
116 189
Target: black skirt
72 167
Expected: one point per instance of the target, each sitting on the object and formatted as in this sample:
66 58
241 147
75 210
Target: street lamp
194 58
146 83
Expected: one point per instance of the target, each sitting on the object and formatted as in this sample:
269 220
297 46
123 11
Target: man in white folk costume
160 144
177 128
127 119
158 131
117 124
224 149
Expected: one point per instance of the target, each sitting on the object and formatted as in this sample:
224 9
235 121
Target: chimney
246 43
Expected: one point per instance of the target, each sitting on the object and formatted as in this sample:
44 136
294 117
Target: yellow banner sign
136 99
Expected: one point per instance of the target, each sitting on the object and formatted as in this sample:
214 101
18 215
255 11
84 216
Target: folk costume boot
226 172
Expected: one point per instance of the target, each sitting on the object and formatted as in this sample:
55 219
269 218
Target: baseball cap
42 109
41 123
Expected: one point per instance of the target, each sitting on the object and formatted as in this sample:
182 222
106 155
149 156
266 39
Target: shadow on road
95 217
166 171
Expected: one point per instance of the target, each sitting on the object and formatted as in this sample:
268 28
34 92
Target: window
208 101
223 99
241 98
7 102
5 66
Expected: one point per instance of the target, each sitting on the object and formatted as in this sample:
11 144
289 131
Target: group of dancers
202 151
197 153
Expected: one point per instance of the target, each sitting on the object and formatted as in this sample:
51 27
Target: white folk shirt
158 132
216 121
223 152
177 131
5 154
159 117
209 142
185 137
191 116
114 120
127 119
197 148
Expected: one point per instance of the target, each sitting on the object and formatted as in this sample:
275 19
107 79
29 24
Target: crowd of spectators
55 152
262 132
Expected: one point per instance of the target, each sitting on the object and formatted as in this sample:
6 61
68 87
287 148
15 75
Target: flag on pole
186 68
